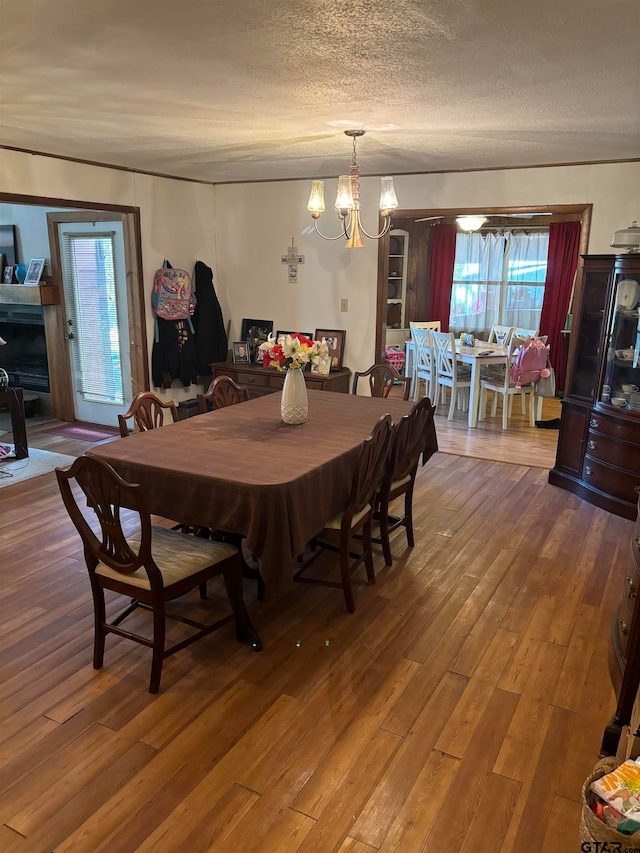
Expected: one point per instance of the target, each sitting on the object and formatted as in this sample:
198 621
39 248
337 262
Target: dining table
241 470
479 355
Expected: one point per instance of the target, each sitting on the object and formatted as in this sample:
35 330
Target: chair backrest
381 379
107 494
444 354
223 391
525 333
370 468
147 412
409 441
423 353
496 330
434 325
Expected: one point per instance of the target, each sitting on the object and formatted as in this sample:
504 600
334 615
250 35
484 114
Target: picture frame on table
306 334
34 271
241 352
254 333
335 339
322 367
7 274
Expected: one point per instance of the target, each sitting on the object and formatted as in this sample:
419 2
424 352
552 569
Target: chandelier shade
348 203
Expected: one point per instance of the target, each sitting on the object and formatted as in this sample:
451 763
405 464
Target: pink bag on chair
530 363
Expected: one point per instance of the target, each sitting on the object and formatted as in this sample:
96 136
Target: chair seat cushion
398 483
335 522
176 554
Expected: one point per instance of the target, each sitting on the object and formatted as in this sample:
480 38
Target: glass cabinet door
621 384
589 334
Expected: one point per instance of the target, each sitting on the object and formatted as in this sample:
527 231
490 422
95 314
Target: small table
471 356
13 399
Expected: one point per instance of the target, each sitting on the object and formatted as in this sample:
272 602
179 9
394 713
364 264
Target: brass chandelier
348 203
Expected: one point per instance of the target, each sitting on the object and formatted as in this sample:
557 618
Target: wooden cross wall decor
292 259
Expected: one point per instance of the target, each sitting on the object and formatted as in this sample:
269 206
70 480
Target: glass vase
294 405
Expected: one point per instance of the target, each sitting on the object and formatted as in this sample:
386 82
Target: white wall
255 223
176 217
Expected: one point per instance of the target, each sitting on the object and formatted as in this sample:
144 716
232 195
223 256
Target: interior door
94 279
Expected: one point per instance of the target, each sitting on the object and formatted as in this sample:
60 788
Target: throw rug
38 462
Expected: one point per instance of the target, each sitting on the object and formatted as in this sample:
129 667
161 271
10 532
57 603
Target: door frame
55 320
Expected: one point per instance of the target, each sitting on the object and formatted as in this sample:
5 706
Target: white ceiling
262 89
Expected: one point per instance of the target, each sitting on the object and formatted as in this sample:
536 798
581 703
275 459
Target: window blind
90 276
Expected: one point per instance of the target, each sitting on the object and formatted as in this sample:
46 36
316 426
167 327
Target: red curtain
443 255
564 241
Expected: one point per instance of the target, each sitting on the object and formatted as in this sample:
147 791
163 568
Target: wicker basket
592 829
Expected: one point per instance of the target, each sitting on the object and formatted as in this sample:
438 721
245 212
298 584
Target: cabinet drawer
276 380
616 429
614 451
612 481
315 384
252 379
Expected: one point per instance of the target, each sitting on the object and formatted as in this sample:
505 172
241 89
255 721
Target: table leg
474 394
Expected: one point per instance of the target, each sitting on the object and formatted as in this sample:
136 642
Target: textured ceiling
255 89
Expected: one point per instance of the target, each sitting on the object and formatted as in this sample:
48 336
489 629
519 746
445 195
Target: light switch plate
344 304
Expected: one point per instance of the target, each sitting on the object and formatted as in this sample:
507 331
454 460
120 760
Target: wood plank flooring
459 709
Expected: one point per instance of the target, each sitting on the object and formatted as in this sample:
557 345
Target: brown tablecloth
242 470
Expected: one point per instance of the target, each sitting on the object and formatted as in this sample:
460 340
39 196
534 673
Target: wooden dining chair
147 411
223 391
340 530
408 443
382 377
152 568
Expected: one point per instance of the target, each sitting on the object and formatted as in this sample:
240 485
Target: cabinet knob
588 470
594 423
624 628
632 590
591 445
637 541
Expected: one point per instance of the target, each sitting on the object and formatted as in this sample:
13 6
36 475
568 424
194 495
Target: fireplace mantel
29 294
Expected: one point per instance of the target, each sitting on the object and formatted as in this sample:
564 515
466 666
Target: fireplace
25 355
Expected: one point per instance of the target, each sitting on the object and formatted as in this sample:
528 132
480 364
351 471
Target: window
97 359
498 278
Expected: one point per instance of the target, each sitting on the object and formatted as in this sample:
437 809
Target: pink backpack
172 296
530 363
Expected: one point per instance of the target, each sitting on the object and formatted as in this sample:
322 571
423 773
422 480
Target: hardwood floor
459 709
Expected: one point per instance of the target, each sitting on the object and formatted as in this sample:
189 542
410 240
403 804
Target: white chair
422 363
448 373
505 386
435 326
525 333
505 331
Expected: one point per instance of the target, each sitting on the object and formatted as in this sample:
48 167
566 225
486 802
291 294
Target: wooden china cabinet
598 454
599 442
